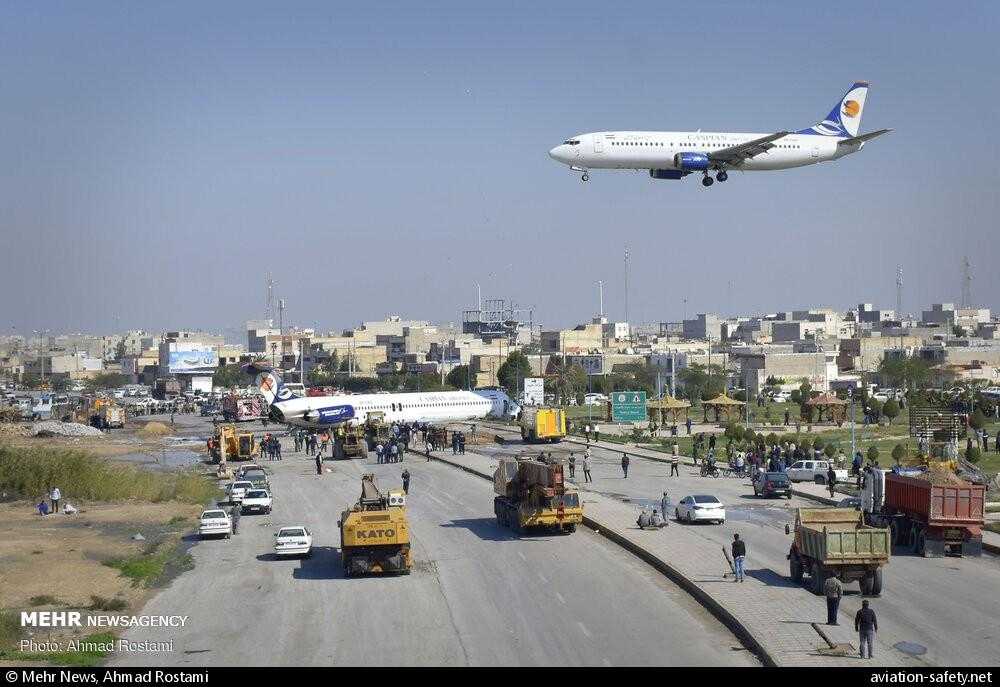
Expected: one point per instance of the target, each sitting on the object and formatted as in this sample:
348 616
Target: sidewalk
768 612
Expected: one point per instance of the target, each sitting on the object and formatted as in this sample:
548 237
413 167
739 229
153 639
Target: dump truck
836 541
242 408
931 511
543 424
530 493
374 533
377 430
234 444
349 442
109 416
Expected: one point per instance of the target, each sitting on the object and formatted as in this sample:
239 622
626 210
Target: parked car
782 396
237 490
700 507
768 484
214 523
293 541
256 501
594 399
813 471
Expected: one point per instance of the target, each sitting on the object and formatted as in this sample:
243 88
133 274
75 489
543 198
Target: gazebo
724 405
660 409
834 408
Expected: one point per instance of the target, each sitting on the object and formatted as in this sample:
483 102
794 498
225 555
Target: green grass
31 471
99 603
11 631
153 566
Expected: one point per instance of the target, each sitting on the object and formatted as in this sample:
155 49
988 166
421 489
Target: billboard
534 391
203 361
591 364
628 406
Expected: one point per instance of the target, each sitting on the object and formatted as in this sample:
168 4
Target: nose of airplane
561 153
554 153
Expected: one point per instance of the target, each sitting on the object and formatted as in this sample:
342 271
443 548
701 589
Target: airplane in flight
318 412
675 154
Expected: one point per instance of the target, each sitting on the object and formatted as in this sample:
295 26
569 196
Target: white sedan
700 507
237 490
256 501
215 522
293 541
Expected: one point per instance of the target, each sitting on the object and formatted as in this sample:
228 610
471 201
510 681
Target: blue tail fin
844 119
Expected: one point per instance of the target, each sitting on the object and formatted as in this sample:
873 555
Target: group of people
270 446
54 496
390 452
306 441
458 443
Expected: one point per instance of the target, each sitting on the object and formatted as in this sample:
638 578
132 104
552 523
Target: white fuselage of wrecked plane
316 412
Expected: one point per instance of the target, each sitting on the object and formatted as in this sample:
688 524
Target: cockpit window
572 142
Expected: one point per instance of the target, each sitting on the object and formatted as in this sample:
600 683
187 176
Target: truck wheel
795 569
816 579
877 583
866 584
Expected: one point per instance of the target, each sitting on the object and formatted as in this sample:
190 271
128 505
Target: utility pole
281 316
626 287
899 293
302 362
600 291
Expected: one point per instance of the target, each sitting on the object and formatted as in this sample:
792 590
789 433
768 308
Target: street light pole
850 395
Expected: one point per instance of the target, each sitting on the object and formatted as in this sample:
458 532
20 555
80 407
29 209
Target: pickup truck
256 501
814 471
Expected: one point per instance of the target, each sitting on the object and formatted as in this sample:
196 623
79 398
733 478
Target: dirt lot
62 556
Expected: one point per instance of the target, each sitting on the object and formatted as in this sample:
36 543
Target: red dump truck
933 512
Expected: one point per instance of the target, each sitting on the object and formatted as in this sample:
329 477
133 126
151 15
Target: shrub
831 450
772 438
891 409
872 453
973 454
898 453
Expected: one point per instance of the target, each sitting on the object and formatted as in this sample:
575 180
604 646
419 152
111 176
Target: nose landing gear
585 177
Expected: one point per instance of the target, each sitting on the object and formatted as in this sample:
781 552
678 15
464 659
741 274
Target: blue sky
382 157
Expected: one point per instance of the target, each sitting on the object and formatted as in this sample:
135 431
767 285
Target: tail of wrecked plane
844 119
269 384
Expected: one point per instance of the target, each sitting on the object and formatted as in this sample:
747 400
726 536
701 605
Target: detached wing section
736 155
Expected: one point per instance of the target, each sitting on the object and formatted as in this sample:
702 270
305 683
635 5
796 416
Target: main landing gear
585 177
707 180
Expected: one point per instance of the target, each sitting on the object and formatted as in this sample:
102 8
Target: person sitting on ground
43 507
644 519
656 520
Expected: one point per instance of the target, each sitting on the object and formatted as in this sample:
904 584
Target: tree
120 350
513 371
831 450
460 377
107 380
890 409
898 453
872 454
565 381
701 382
229 376
977 420
973 454
958 330
876 408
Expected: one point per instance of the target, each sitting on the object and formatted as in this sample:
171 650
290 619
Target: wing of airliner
735 155
863 137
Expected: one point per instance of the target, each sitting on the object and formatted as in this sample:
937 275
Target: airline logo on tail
844 120
270 385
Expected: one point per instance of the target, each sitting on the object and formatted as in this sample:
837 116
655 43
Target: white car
594 399
293 541
256 501
215 522
237 490
813 471
700 507
782 397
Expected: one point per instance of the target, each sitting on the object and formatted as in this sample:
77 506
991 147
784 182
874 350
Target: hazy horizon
380 159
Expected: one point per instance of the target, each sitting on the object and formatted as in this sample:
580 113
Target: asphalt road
943 610
477 595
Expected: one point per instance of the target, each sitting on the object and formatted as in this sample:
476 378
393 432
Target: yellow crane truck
543 424
530 493
374 533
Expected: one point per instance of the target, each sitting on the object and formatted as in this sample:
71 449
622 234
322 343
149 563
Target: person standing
586 466
319 463
687 423
739 549
393 452
55 496
236 518
866 625
625 462
277 447
379 451
996 445
406 481
572 465
831 479
675 463
664 506
832 590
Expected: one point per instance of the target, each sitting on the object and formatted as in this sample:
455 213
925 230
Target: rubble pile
53 428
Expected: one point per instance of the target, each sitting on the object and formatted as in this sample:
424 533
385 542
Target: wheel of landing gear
707 181
585 177
721 176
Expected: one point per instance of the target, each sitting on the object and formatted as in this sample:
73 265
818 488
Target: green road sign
628 406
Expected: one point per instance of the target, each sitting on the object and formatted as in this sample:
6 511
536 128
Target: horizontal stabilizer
862 138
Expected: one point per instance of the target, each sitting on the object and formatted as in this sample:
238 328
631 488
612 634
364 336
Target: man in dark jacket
625 462
831 479
832 590
866 624
739 555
